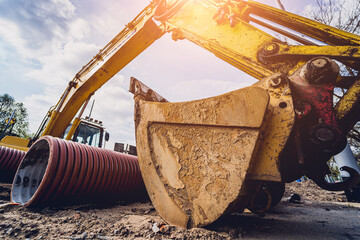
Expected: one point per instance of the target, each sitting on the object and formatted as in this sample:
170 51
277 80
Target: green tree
7 106
342 14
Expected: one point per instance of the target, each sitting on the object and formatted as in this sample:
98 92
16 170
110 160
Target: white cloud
10 32
60 67
38 105
115 107
42 27
59 8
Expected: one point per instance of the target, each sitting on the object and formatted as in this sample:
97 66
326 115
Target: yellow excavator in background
84 130
202 159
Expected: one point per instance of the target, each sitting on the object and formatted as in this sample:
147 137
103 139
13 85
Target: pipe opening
30 172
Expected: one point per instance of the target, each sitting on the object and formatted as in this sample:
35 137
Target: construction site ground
318 215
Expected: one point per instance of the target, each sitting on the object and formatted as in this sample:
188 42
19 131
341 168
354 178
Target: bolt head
319 71
319 63
325 134
270 48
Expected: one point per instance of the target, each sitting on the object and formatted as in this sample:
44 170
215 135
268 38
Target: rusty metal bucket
198 158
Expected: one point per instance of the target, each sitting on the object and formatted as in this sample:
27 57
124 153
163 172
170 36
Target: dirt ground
318 215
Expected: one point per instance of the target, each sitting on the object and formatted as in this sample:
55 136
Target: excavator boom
229 29
129 43
204 158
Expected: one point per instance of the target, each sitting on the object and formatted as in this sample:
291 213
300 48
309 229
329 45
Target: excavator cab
90 132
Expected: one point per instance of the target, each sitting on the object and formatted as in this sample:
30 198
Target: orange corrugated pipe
57 171
9 161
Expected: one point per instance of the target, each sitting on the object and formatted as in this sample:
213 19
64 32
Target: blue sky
44 43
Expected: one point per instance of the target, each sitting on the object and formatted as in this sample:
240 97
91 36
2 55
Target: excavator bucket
196 157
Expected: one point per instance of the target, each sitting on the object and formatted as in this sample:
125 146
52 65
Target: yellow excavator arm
224 28
129 43
201 159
